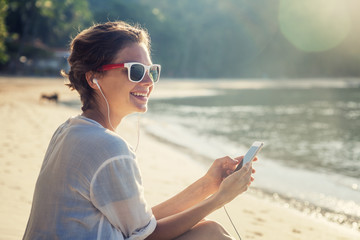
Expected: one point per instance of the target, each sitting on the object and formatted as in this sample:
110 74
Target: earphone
108 113
138 139
107 104
96 82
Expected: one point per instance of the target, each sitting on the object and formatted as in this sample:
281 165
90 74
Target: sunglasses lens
154 73
137 72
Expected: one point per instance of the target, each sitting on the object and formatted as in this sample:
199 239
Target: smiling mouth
138 94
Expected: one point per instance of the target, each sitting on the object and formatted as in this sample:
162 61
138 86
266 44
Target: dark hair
97 46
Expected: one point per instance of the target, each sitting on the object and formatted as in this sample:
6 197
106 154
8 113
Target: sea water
311 130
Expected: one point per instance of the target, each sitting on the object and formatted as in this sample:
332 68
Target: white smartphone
251 153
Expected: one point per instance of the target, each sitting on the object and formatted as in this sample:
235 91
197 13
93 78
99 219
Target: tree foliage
202 38
50 21
3 31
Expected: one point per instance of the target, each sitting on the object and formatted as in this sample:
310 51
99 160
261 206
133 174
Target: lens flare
314 25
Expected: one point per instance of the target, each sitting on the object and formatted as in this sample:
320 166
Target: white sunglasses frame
128 67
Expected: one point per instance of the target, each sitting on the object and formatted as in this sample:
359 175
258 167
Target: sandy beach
27 124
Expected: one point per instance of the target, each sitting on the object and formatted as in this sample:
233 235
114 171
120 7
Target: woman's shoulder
91 135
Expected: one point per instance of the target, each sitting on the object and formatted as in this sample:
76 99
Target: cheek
124 87
120 94
151 89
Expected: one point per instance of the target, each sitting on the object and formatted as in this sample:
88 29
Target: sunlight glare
314 25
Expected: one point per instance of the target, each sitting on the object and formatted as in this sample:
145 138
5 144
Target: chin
142 109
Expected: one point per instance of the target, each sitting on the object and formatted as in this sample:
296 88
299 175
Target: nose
147 80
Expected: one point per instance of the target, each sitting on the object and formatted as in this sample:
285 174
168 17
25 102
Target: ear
89 78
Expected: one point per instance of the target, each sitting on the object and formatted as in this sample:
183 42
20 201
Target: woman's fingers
247 173
238 161
236 183
246 168
239 158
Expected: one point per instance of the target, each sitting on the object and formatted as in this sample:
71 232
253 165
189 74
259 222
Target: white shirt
89 187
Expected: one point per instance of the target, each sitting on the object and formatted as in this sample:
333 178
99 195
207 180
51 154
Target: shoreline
303 206
28 125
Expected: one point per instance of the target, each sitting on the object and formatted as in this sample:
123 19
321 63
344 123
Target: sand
27 125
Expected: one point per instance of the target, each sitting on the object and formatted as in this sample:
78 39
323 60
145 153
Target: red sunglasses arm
111 66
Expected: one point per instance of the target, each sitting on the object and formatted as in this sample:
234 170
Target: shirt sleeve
116 190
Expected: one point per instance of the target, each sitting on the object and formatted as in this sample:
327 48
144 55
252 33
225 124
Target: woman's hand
219 170
235 184
183 211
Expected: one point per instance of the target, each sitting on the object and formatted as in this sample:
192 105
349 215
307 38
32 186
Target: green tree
3 31
57 21
51 21
35 26
202 38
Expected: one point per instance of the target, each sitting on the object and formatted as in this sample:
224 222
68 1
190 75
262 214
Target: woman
89 186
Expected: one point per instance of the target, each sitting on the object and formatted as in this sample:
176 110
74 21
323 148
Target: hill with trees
197 39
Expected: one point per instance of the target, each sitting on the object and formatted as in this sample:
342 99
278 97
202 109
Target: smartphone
251 153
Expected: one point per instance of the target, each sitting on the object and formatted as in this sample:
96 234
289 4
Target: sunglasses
136 71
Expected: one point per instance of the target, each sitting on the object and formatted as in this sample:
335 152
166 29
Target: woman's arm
174 225
187 198
199 190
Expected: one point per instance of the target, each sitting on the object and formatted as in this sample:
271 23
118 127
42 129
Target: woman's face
127 97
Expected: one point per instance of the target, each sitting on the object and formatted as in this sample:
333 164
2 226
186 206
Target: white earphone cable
137 145
232 222
107 105
138 133
108 116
